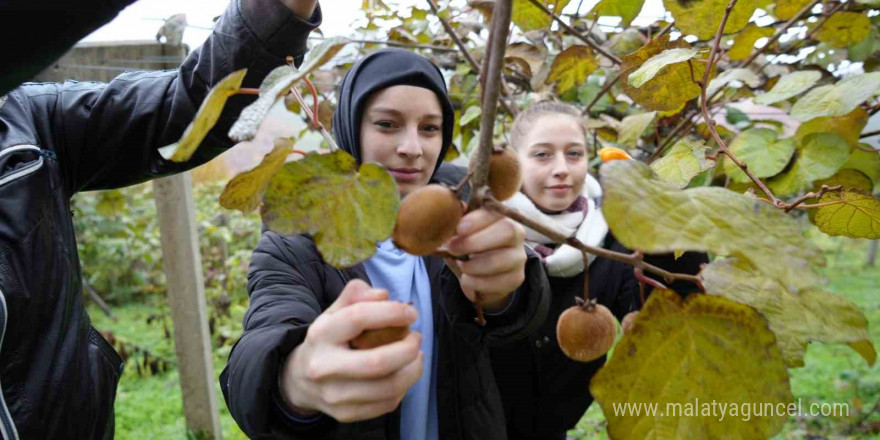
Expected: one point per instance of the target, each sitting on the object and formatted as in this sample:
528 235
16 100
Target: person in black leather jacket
58 374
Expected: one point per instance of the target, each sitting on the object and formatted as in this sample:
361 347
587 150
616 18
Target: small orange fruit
586 331
427 218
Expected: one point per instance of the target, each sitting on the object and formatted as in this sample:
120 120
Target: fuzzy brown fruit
586 331
427 218
379 337
628 321
505 177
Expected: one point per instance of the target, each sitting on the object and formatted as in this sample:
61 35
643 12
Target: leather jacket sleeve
108 135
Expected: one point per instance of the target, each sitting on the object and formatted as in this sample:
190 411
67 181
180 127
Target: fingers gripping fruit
427 218
505 177
628 321
586 331
379 337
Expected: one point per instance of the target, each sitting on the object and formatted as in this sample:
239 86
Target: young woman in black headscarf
292 373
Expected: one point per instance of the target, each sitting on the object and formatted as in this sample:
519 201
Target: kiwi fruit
427 218
586 331
505 176
378 337
628 321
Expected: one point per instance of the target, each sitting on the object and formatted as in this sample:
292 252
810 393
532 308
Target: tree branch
634 259
780 33
511 109
812 195
614 59
869 134
704 108
605 88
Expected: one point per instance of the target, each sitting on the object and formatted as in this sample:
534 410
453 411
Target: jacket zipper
26 170
344 278
7 427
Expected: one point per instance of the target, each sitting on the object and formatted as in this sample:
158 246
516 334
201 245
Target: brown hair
524 120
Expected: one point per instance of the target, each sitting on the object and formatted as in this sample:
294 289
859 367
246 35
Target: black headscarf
379 70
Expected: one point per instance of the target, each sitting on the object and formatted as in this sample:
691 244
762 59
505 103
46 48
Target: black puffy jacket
290 285
58 374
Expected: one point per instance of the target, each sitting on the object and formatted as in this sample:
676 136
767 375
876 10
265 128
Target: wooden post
186 298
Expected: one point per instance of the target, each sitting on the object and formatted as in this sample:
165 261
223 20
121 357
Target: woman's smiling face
401 129
554 159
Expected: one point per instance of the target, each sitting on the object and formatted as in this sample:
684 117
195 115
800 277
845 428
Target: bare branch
780 33
511 109
605 88
634 259
614 59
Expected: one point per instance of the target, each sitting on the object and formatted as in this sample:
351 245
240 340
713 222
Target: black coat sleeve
284 289
107 135
69 22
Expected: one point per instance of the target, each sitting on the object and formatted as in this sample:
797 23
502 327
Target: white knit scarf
589 228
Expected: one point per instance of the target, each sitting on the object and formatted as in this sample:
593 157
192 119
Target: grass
150 407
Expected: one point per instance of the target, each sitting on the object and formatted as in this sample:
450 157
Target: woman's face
554 160
401 129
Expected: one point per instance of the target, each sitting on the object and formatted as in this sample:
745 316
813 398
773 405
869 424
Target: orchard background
786 87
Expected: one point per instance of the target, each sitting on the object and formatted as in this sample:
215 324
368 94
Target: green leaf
649 68
836 99
844 28
734 116
278 83
847 126
797 318
245 191
677 356
822 154
204 120
628 41
347 210
863 50
866 162
742 75
762 151
646 213
110 203
789 182
683 162
745 41
530 18
628 10
572 67
471 114
789 85
703 17
857 215
671 87
632 127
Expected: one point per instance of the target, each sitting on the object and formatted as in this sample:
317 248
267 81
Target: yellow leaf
648 214
683 162
345 209
205 118
245 191
866 162
857 215
796 318
110 203
627 10
632 127
702 17
571 67
787 9
847 126
745 41
278 83
671 87
677 356
844 28
529 17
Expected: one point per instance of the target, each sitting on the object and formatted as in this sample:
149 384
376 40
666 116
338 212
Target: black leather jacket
58 375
